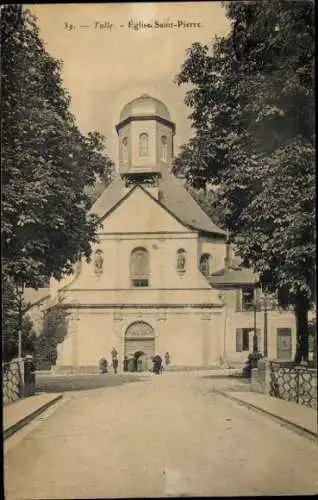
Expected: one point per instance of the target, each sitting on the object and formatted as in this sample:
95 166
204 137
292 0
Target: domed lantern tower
145 132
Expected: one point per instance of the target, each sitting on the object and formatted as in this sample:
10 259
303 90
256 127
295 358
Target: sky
106 63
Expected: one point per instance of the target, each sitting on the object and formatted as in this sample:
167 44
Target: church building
149 286
144 290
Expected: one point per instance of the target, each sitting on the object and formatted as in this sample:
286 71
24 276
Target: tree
54 331
252 113
47 164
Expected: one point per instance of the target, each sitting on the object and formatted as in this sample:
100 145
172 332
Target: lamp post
255 346
268 302
20 291
265 328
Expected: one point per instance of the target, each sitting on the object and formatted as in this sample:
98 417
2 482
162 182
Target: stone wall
12 381
18 380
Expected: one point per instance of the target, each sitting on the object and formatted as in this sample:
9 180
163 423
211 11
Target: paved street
165 435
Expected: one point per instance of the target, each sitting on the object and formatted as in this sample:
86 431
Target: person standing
167 360
125 363
115 365
157 362
114 354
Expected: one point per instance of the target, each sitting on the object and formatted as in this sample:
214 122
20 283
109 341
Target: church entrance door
140 344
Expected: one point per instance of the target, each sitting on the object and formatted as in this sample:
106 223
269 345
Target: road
167 435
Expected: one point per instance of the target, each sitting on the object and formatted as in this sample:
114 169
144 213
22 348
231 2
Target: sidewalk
20 413
298 416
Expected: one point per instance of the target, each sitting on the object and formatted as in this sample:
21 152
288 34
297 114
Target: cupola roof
145 105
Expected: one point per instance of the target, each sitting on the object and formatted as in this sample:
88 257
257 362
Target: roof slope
180 202
234 277
111 195
175 199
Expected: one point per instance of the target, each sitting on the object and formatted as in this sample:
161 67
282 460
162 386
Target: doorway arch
140 344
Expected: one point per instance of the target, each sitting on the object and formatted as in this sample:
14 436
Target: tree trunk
301 313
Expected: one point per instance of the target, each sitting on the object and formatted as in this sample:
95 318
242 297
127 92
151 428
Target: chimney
228 252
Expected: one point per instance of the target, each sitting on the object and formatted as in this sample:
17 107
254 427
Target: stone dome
145 105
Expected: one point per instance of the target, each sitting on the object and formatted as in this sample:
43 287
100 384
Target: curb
24 421
296 427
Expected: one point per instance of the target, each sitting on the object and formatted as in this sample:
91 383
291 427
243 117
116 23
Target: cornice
157 118
138 306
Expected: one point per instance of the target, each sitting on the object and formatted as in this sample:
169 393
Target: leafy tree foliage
47 164
53 333
252 112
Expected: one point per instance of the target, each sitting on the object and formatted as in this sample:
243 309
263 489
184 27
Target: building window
164 148
205 262
143 145
181 261
248 299
244 339
125 150
139 267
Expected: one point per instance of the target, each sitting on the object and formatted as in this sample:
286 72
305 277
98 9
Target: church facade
148 288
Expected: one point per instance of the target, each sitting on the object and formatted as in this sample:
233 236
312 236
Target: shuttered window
244 339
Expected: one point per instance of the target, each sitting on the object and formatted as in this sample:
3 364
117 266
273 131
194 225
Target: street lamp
268 302
255 340
265 328
20 290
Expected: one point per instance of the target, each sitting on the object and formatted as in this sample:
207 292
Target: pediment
139 212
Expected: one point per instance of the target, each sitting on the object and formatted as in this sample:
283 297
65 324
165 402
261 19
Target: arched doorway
140 344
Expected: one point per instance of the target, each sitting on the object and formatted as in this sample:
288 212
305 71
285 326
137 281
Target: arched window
143 145
164 148
181 261
125 150
139 267
205 263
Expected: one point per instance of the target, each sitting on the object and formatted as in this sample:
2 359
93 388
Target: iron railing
293 383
